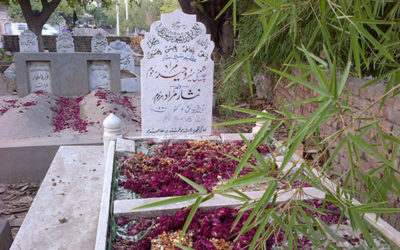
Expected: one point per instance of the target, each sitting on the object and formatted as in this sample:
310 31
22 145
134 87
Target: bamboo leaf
241 121
169 201
250 111
227 5
189 219
183 247
251 178
248 74
201 189
301 81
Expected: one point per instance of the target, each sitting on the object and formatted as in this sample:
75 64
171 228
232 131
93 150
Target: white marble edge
102 226
124 207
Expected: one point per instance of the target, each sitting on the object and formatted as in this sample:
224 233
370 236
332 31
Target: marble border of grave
68 72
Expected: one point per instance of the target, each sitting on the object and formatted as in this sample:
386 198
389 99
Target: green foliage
63 10
140 15
270 33
169 6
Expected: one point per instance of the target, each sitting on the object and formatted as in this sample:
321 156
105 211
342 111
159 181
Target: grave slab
65 211
68 72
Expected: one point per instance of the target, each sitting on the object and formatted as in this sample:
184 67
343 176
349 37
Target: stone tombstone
65 43
28 42
99 43
39 77
99 75
177 77
126 53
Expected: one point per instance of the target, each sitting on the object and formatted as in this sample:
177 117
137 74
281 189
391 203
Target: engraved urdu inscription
99 75
65 43
99 43
177 77
39 76
127 61
28 42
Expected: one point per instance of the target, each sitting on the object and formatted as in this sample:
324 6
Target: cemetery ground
16 198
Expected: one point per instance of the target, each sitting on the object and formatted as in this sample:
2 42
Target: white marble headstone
99 43
28 42
177 77
39 77
99 75
126 53
65 43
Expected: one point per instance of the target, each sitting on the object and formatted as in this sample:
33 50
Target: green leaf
183 247
249 80
384 210
169 201
201 189
241 121
239 198
368 148
343 79
250 111
189 219
234 67
251 178
227 5
362 31
301 81
322 110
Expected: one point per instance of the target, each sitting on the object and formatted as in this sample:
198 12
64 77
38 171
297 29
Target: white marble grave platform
65 212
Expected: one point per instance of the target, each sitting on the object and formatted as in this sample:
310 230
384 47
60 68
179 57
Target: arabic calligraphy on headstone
99 75
39 76
28 42
99 43
126 53
177 77
65 43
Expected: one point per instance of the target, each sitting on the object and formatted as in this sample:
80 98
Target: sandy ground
35 115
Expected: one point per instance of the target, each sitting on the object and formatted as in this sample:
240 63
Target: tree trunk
220 29
37 29
36 19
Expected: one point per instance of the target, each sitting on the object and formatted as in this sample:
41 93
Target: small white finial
112 130
112 122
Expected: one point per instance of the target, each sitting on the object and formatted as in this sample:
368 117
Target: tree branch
44 3
26 8
48 9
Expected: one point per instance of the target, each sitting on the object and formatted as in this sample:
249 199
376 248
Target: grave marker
126 53
28 42
39 77
177 77
99 43
99 75
65 43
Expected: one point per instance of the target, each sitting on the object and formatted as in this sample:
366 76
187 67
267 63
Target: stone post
259 124
112 130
